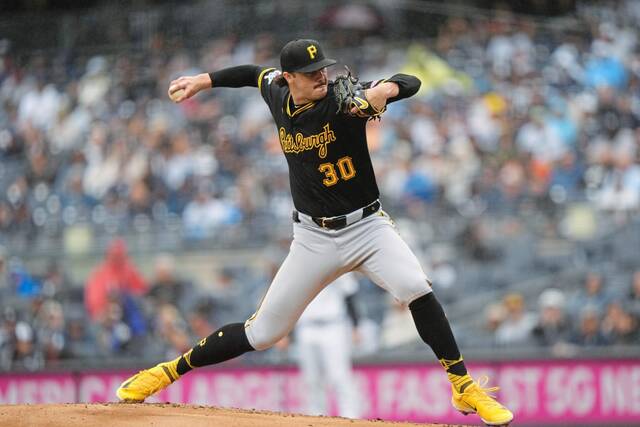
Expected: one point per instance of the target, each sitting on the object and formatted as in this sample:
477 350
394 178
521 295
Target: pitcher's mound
168 415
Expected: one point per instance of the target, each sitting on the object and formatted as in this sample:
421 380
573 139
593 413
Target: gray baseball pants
318 256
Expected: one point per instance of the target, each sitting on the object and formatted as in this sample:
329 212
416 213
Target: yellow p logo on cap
312 51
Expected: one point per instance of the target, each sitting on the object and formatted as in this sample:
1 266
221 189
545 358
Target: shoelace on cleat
484 394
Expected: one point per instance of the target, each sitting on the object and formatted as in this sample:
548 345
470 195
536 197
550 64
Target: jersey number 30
345 169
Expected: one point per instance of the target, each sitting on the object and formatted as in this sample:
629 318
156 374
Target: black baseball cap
303 56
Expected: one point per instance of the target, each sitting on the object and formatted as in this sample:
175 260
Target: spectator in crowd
538 138
619 326
5 279
26 285
474 242
81 340
116 277
206 214
55 283
51 336
567 178
226 294
168 288
40 104
518 323
592 294
621 186
7 337
200 320
114 336
553 325
589 329
634 294
442 274
171 332
494 315
26 354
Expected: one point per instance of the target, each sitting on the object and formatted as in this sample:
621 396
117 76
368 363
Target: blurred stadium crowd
519 158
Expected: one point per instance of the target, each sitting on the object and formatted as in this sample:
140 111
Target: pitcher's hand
185 87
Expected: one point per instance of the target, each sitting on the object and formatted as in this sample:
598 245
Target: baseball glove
351 97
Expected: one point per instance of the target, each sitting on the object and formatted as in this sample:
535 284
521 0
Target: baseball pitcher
338 223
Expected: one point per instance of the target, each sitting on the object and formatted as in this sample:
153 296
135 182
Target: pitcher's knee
410 293
262 338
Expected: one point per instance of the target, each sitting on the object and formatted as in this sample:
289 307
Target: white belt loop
354 216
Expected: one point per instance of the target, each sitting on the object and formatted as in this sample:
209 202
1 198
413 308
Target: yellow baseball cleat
476 399
150 381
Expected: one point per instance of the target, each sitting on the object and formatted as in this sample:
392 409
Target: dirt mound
169 415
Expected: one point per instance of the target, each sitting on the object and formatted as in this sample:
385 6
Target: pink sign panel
37 388
552 392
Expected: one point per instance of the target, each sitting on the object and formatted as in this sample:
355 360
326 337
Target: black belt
339 222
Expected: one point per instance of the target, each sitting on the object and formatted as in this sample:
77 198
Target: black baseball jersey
330 170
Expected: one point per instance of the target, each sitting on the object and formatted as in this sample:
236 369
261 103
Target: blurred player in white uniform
324 345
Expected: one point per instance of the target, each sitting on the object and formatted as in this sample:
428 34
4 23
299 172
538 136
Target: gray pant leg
308 268
390 263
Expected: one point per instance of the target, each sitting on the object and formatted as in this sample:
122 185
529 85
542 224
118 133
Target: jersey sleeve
264 78
408 86
239 76
268 86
